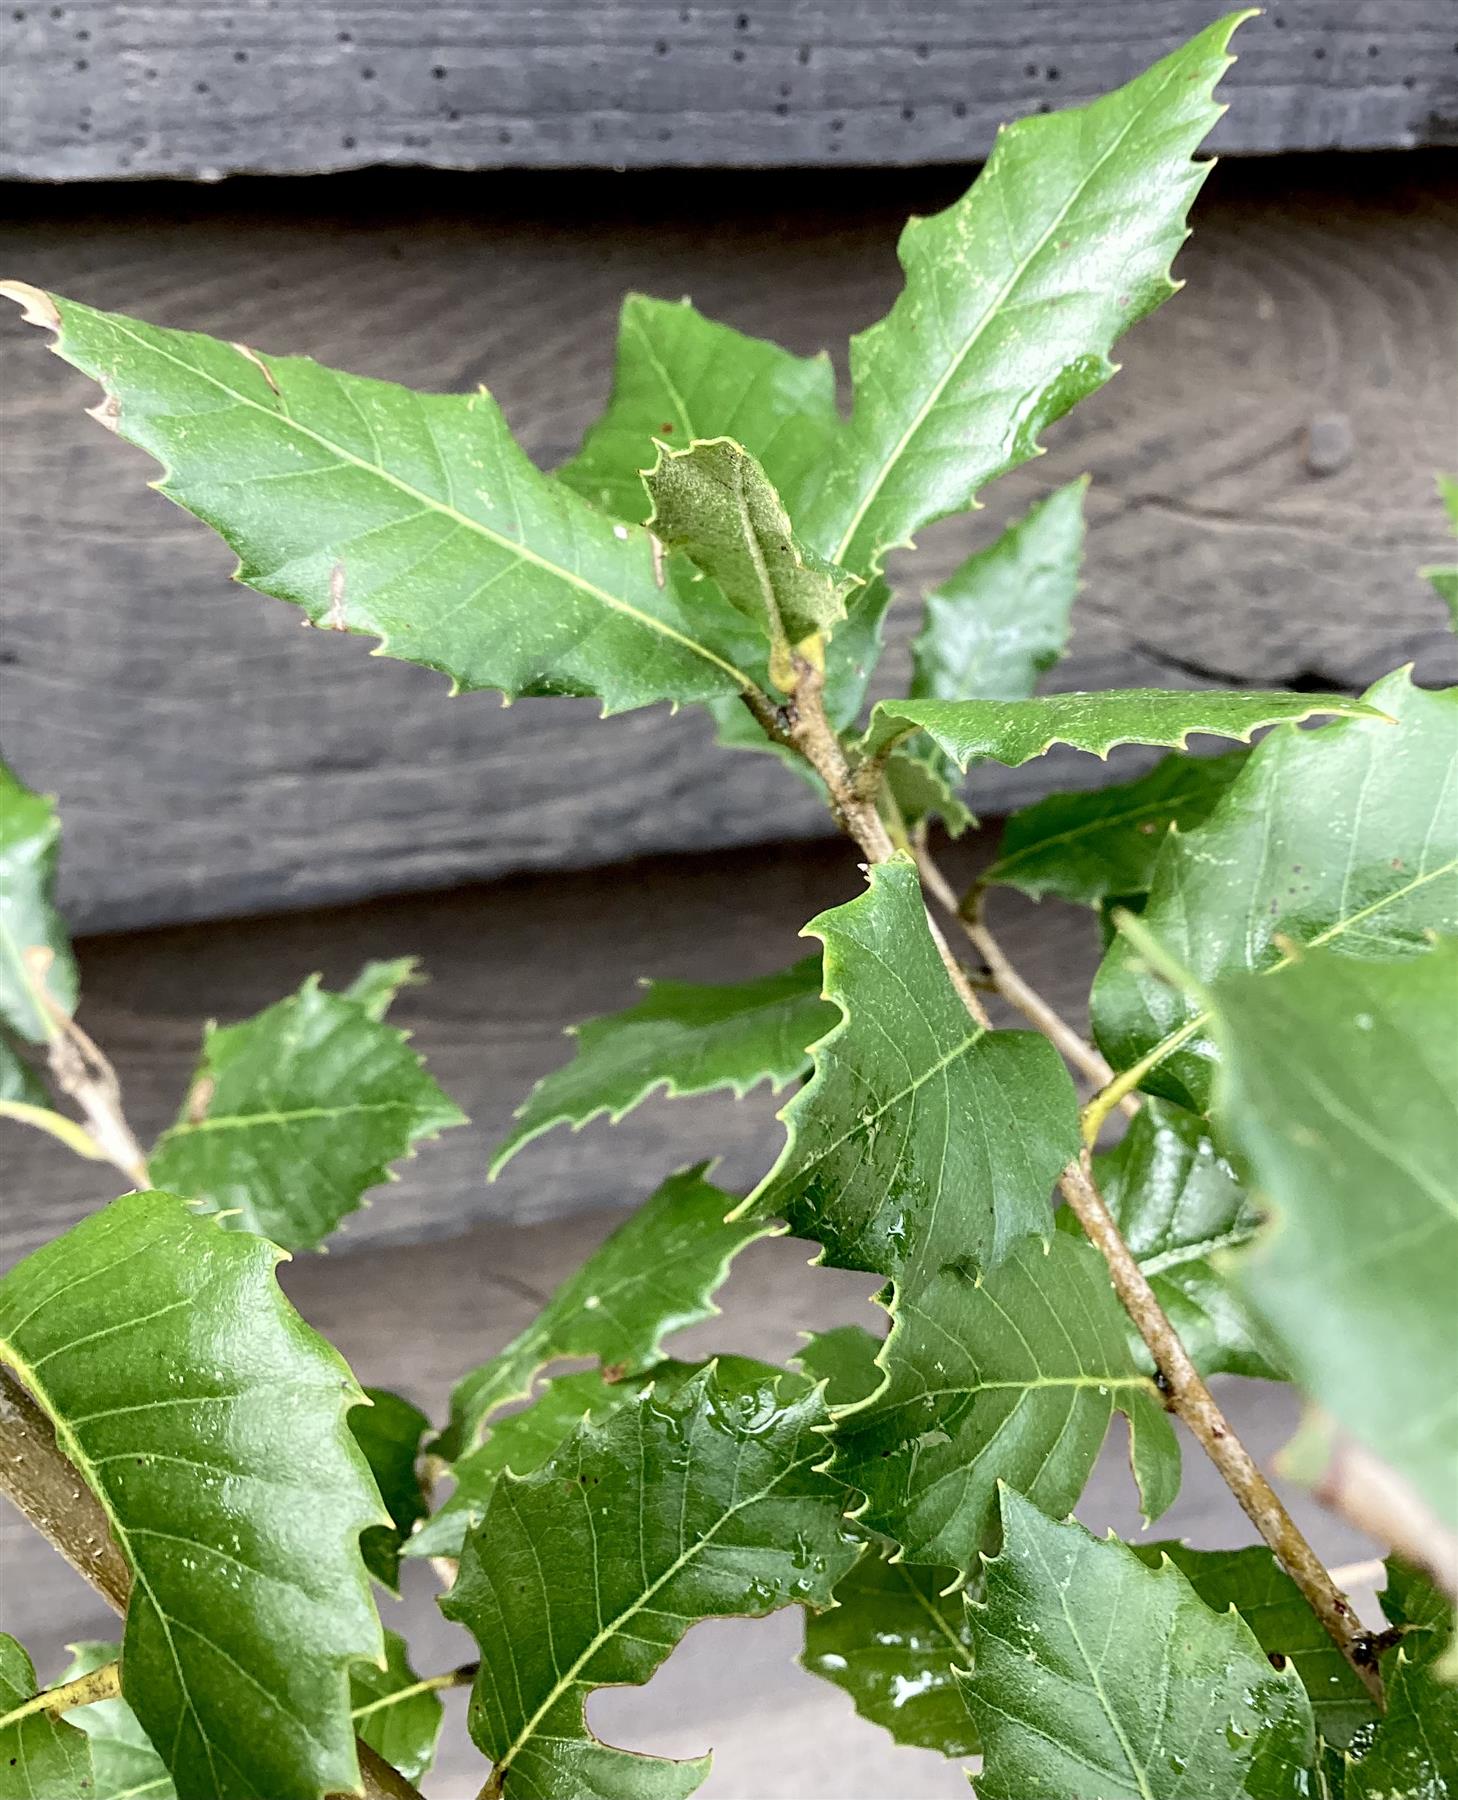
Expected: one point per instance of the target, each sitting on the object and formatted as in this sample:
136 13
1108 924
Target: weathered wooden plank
512 965
1262 495
211 87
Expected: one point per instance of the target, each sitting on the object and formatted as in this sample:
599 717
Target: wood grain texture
1262 496
511 966
213 87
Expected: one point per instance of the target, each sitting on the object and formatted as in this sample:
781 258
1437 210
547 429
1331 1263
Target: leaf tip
36 306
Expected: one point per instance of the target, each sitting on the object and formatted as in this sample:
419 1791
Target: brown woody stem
806 728
37 1478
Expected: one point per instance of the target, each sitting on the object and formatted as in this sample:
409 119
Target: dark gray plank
512 965
1262 496
211 87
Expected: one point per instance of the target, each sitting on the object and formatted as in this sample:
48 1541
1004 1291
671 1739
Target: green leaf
1014 1376
891 1641
1016 731
413 518
378 983
1001 620
209 1420
680 376
700 1505
1102 845
1344 836
1413 1754
391 1431
713 501
1180 1206
1444 577
921 791
522 1442
654 1275
1340 1088
922 1138
126 1765
30 836
1253 1582
293 1114
685 1039
395 1714
41 1758
18 1078
1013 297
844 1358
1100 1677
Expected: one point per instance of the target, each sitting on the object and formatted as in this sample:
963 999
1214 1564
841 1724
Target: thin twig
41 1483
1186 1395
97 1684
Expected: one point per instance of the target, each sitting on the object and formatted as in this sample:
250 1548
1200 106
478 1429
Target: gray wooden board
212 87
1262 496
412 1318
512 965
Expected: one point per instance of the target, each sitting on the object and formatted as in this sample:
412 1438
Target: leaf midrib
510 545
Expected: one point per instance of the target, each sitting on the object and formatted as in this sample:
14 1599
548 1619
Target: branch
43 1486
805 726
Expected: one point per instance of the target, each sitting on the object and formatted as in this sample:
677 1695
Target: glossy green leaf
1444 577
293 1114
1103 845
1253 1582
892 1640
210 1422
30 837
704 1504
682 1038
1001 620
922 1138
522 1441
1013 298
41 1758
655 1274
1099 1677
1340 1088
1016 731
922 791
1413 1754
680 376
391 1433
413 518
844 1358
1013 1376
126 1765
714 502
1181 1207
1346 836
395 1714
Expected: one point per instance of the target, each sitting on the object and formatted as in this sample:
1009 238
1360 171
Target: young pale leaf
391 1431
685 1039
293 1114
713 501
209 1420
700 1505
654 1275
997 624
1014 1376
1340 1088
1102 845
30 836
1016 731
126 1765
522 1442
394 1714
376 986
1180 1206
922 1138
1253 1582
1444 577
680 376
1345 836
41 1758
414 518
1013 298
892 1640
1097 1676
